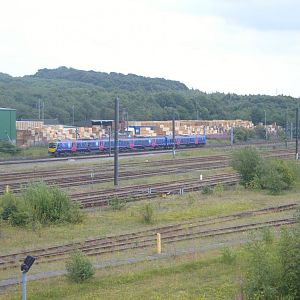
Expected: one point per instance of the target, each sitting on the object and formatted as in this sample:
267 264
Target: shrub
243 134
289 255
277 176
227 256
262 276
13 210
8 205
19 217
147 213
272 270
49 204
246 162
7 147
116 203
267 235
218 189
207 190
79 268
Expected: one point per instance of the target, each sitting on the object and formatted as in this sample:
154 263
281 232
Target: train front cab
52 148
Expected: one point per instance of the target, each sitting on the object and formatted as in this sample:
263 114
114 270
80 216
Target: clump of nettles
79 268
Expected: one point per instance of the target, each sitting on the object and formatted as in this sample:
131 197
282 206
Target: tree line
92 96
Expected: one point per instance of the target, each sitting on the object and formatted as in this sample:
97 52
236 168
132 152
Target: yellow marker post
7 189
158 242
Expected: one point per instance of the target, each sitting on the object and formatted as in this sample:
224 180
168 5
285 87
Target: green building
8 124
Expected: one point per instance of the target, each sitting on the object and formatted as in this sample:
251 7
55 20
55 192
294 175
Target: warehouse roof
3 108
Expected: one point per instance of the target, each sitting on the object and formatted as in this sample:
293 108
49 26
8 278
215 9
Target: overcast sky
240 46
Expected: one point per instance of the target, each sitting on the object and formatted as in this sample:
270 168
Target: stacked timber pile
34 133
188 127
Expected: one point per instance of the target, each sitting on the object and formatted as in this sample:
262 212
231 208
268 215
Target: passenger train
125 144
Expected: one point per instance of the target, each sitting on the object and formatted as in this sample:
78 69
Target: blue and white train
125 144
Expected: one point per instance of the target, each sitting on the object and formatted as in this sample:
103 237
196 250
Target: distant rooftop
5 108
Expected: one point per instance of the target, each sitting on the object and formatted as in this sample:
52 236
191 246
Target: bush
218 189
243 134
227 256
207 190
8 205
13 210
277 176
147 213
272 270
49 204
262 276
247 163
19 217
116 203
79 268
7 147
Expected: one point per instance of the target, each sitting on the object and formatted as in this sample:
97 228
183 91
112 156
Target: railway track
142 192
191 229
82 176
136 153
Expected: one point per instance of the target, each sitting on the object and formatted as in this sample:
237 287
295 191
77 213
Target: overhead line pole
286 131
173 129
116 145
297 125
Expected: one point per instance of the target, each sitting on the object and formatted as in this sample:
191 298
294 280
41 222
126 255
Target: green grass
31 152
189 277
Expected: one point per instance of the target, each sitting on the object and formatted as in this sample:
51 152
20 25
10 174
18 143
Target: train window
52 145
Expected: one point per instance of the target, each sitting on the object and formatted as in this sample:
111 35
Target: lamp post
116 145
266 125
25 267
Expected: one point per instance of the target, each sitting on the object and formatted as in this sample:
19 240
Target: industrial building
8 124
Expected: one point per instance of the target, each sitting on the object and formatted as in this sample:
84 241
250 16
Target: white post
23 285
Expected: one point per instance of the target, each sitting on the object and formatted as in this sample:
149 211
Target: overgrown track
80 176
191 229
146 191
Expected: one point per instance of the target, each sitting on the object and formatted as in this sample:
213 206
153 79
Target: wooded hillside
92 95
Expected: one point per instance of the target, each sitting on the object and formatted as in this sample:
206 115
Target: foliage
247 162
79 268
49 204
267 235
39 203
13 210
147 213
289 253
207 190
241 134
272 270
7 147
276 176
262 274
228 256
8 205
218 189
116 203
92 93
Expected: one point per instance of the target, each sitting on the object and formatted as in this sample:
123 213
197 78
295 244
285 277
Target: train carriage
68 147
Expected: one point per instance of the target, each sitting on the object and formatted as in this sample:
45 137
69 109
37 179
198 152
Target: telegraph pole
286 131
116 145
297 125
73 117
173 129
266 125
